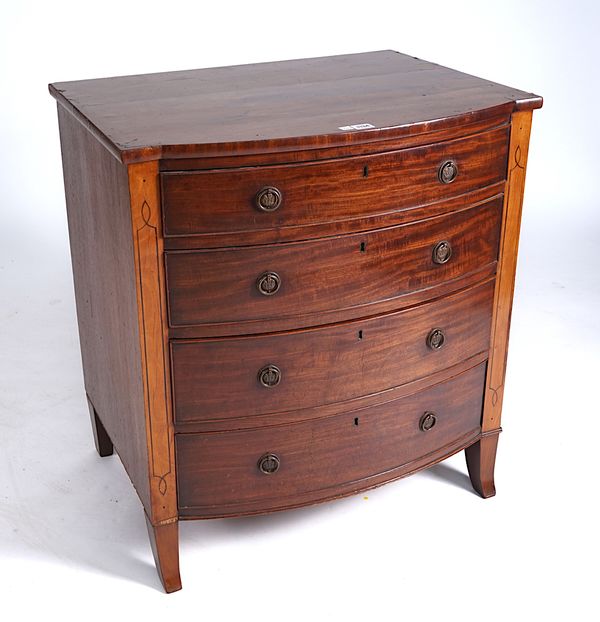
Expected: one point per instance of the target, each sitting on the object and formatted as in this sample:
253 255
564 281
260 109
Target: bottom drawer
219 473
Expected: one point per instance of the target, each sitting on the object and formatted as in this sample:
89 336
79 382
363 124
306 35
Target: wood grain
164 540
315 194
281 106
474 124
326 365
102 254
507 265
324 458
338 227
151 305
242 422
481 460
349 276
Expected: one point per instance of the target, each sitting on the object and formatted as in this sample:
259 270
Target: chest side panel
97 197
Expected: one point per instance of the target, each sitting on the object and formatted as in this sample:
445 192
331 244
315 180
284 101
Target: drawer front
233 378
350 273
227 200
220 473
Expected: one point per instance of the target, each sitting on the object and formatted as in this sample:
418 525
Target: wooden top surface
280 106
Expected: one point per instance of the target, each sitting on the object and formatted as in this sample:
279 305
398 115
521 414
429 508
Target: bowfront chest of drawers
293 280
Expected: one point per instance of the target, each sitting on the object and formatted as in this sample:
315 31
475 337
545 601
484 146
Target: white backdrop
72 533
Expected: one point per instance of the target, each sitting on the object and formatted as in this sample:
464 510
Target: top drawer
306 195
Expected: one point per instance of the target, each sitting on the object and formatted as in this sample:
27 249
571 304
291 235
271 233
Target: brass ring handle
268 283
447 172
269 376
442 252
436 339
427 421
268 199
269 463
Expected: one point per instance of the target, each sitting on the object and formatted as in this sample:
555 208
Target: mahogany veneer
293 280
329 456
347 276
317 193
328 364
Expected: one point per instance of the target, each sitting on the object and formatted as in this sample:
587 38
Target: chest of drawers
293 280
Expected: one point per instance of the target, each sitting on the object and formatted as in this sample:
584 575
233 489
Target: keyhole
363 247
360 334
366 171
355 420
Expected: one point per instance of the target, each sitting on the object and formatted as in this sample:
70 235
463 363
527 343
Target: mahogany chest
293 280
